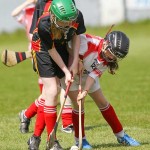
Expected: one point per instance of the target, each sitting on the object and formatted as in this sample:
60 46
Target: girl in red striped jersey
97 55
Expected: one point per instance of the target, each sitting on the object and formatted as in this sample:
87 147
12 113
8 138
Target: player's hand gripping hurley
52 135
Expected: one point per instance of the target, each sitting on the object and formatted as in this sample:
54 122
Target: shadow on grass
109 145
95 126
99 146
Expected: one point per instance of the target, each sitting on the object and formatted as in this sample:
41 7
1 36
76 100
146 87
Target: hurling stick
53 133
80 104
12 58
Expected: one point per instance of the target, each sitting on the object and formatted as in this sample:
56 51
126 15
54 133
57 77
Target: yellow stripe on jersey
35 61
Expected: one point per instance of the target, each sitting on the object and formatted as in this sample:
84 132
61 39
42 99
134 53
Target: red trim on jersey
47 6
97 72
29 11
93 37
75 25
44 15
36 45
99 51
92 47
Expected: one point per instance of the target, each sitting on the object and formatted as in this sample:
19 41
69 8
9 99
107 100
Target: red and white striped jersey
25 18
90 49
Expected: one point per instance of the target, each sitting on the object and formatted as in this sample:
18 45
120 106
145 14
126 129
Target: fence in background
96 12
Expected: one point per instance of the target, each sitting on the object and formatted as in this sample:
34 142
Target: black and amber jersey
41 7
42 39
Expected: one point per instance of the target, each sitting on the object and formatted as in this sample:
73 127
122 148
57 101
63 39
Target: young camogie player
97 55
24 14
50 59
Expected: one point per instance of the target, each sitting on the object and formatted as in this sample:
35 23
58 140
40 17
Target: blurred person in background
24 14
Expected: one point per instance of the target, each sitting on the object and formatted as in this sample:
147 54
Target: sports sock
40 121
31 110
75 119
66 116
111 118
120 134
77 139
50 115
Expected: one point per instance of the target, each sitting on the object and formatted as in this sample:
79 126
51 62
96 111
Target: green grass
128 91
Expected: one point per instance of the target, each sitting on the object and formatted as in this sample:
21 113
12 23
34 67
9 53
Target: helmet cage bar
66 28
107 58
117 54
108 48
114 52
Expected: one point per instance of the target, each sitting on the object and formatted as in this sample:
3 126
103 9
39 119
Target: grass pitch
128 91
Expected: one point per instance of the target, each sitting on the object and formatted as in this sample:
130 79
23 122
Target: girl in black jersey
63 22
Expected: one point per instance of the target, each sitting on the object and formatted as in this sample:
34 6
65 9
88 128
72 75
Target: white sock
119 134
77 139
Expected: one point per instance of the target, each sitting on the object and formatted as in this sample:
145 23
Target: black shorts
45 66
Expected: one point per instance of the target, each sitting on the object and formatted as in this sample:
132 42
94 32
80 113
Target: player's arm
75 47
44 34
80 29
58 60
56 57
88 84
18 9
95 73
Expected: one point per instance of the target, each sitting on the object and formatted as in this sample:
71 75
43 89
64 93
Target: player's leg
35 139
75 118
47 74
26 115
50 95
75 114
110 116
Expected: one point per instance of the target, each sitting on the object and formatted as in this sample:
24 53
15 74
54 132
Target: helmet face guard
107 58
118 44
63 28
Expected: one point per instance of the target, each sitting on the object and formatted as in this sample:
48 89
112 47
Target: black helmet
119 43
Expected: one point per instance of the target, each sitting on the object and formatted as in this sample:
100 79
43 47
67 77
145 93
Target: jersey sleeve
80 20
45 35
37 13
